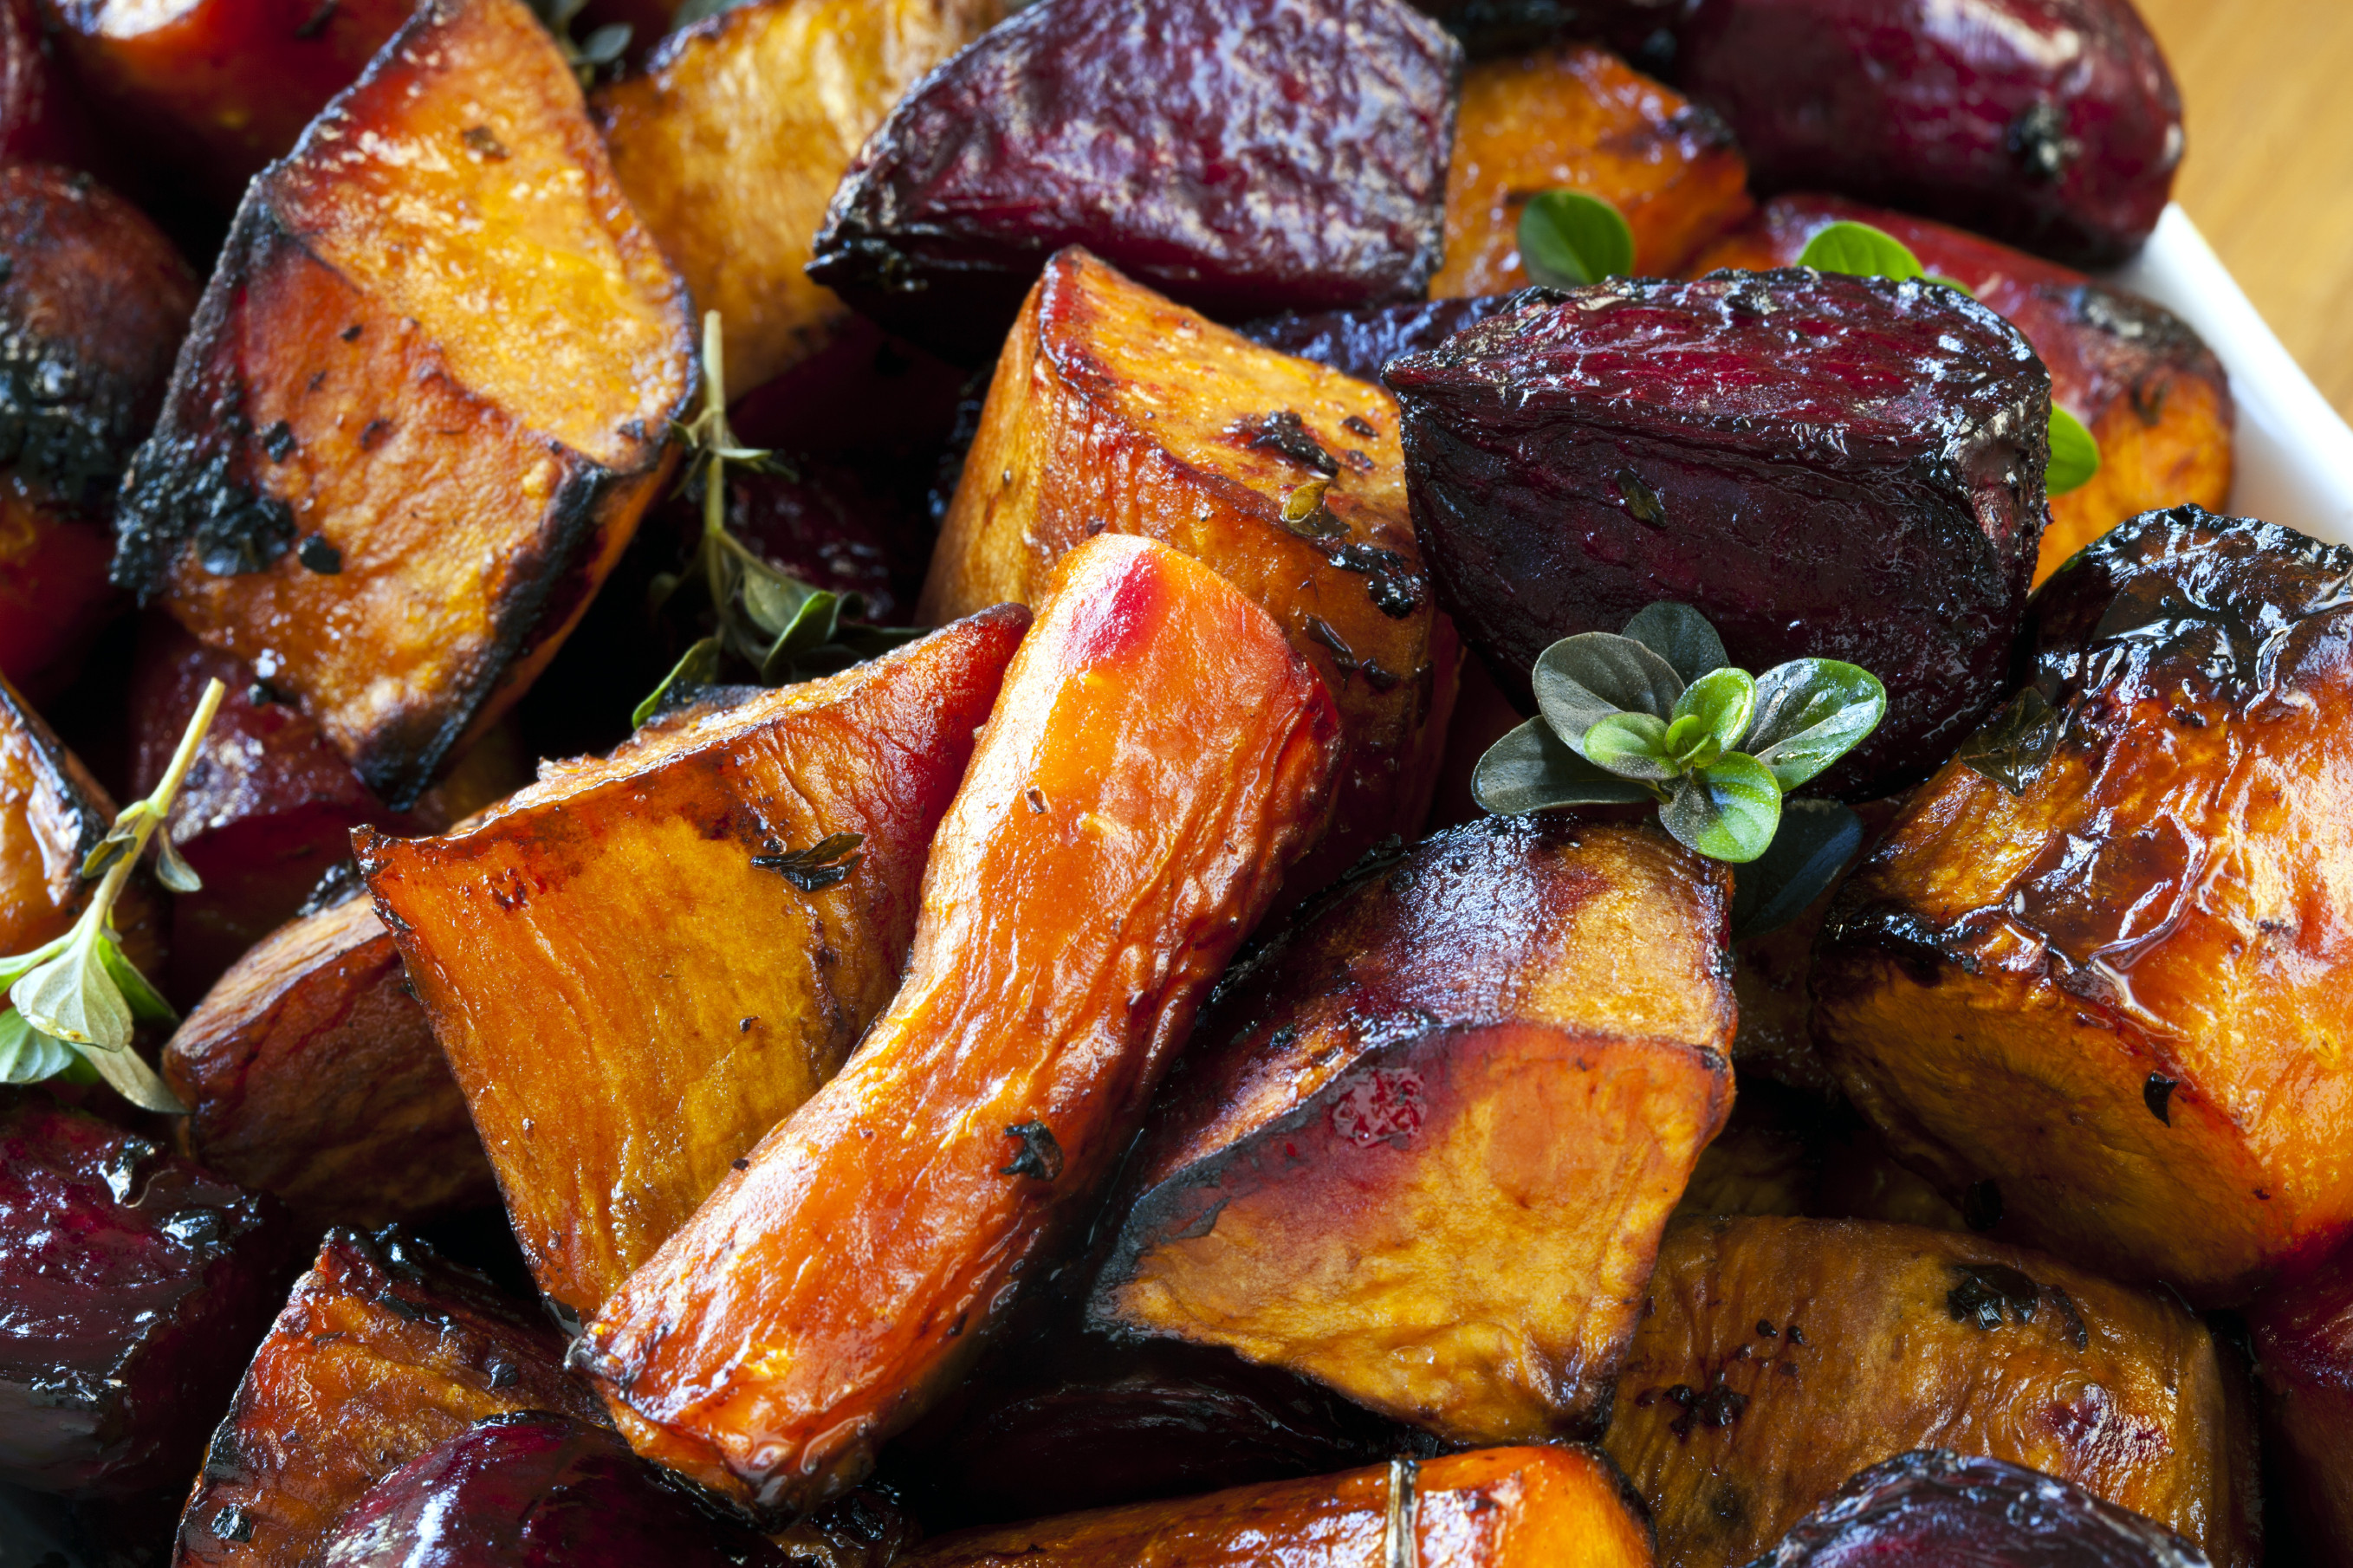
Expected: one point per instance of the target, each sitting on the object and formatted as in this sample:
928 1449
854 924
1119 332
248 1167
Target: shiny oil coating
1825 465
2106 969
1155 757
2303 1338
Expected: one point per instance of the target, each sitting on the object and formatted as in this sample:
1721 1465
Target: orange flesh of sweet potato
52 814
1115 410
383 1350
1498 1508
1422 1152
438 341
1783 1356
703 995
1578 116
732 142
1157 753
310 1072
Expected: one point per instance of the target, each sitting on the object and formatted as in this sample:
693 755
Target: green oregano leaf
28 1055
1681 635
1816 841
146 1003
699 665
1533 769
1569 239
74 998
1632 746
1580 680
1721 701
1810 713
2074 455
1861 252
1728 810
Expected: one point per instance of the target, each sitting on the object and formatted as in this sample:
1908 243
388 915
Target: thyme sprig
77 996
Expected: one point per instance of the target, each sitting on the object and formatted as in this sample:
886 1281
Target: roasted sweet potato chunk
1826 466
2053 124
1779 1356
1114 409
52 814
1499 1507
91 309
425 399
311 1073
2099 965
1242 156
1578 117
2141 379
2304 1340
1158 755
1422 1150
717 949
732 142
383 1350
132 1285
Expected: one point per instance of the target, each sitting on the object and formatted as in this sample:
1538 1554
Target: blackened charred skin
1361 341
1914 1510
1824 466
1991 1294
2158 1094
1299 163
1283 434
132 1285
1039 1155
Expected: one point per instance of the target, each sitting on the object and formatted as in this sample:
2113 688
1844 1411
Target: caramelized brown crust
2103 967
1779 1356
2304 1340
1115 410
1500 1508
1577 116
52 814
439 353
1422 1150
383 1350
704 993
310 1072
1157 755
732 142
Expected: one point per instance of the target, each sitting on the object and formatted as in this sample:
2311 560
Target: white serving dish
2295 454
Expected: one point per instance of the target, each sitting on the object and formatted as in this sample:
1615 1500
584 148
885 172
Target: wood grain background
2267 90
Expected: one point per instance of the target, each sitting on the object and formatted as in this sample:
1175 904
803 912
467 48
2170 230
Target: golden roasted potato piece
426 398
1498 1508
732 142
1114 409
310 1072
52 814
709 980
383 1350
2100 971
1777 1357
2304 1340
1157 755
1578 116
1422 1149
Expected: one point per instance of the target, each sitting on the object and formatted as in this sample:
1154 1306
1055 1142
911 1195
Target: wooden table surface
2267 90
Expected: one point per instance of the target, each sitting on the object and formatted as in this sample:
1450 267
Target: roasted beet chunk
1240 156
1359 343
1826 466
133 1286
1933 1508
2053 124
537 1490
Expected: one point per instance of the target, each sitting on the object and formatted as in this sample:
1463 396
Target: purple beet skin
538 1491
1242 156
1932 1508
2053 124
1359 343
132 1289
1825 465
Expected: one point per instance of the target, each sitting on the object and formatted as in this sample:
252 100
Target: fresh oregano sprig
79 997
1862 251
1569 239
1659 713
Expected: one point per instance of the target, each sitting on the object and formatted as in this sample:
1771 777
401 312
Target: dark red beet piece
1498 26
1825 465
2304 1340
1240 156
133 1287
537 1490
2053 124
1932 1508
1360 341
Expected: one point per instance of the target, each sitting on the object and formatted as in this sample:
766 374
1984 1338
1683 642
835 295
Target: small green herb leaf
26 1055
1532 769
1681 635
822 865
73 997
1583 680
1632 746
1816 841
699 665
2074 455
1861 252
1727 811
146 1003
171 868
1721 702
1569 239
1810 713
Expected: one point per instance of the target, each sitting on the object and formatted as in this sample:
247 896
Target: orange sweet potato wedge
1580 117
52 814
709 982
731 143
383 1350
1157 755
425 399
1423 1149
1497 1508
1114 409
310 1071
